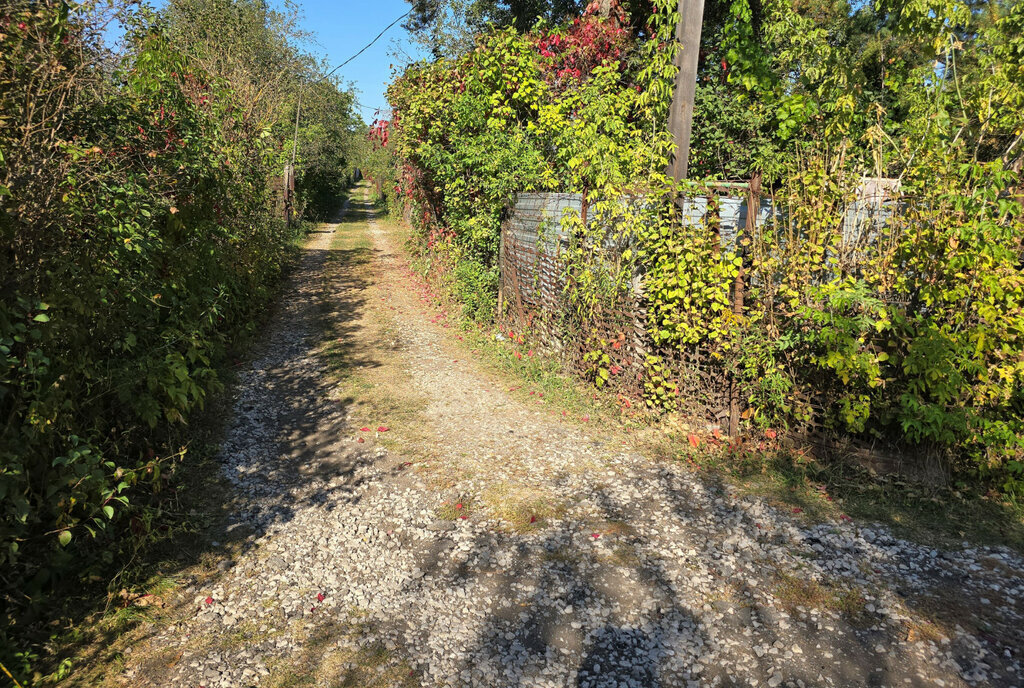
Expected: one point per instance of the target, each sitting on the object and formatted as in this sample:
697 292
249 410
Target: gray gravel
644 576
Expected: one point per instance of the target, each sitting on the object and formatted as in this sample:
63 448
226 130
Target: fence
532 285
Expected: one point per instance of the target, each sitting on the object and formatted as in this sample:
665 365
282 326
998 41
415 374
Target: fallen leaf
694 440
319 597
209 600
360 440
459 505
383 428
364 429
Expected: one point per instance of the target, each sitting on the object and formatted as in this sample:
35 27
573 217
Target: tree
447 27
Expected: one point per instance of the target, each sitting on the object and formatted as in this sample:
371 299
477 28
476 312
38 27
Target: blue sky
342 28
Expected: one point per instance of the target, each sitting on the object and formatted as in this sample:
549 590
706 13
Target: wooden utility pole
680 117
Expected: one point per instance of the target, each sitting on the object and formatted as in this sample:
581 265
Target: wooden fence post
501 269
739 288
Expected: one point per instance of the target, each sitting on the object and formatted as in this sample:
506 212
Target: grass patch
461 507
794 592
333 657
823 490
361 344
523 508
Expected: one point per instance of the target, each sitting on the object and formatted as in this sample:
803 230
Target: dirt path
400 519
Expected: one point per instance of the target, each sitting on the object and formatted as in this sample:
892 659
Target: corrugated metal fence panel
533 285
532 237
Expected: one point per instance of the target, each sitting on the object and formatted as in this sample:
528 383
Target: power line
295 142
368 44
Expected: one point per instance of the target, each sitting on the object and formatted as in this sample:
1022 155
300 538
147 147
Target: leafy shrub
138 238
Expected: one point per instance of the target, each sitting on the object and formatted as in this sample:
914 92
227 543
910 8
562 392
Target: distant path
475 539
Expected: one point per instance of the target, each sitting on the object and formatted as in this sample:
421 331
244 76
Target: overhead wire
367 46
295 143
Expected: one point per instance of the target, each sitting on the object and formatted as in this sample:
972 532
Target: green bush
476 287
137 239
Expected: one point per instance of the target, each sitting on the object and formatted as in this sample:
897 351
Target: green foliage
514 115
475 287
138 239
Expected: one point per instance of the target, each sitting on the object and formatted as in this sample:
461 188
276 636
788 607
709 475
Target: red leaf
595 535
364 429
319 597
798 510
585 418
694 440
383 428
533 519
209 600
459 505
771 434
360 440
